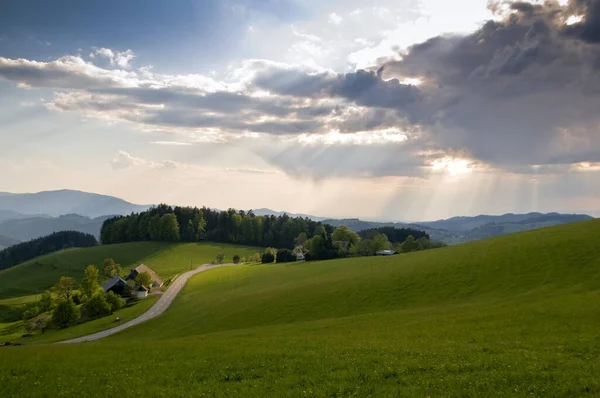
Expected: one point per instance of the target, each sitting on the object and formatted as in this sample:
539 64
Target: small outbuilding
156 281
116 285
385 252
300 256
141 292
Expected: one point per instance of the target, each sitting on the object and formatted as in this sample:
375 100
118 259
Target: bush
255 258
77 298
66 314
31 312
285 256
219 259
236 259
46 302
267 258
97 306
114 301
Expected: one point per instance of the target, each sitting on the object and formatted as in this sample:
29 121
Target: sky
401 110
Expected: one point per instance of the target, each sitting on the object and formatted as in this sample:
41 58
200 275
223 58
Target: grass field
167 259
511 316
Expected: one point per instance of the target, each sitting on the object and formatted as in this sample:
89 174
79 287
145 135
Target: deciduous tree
110 269
46 302
114 301
89 283
143 279
97 306
65 314
64 287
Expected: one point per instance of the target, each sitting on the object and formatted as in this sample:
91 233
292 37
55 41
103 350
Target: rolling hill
167 259
56 203
510 316
27 228
6 241
467 224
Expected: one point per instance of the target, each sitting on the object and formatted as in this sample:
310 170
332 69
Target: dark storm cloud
365 88
519 91
589 28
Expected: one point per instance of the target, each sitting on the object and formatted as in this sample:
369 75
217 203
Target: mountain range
57 203
31 215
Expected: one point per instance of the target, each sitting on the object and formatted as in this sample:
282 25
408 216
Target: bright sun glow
573 19
452 166
411 81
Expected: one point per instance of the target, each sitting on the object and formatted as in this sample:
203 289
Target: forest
192 224
22 252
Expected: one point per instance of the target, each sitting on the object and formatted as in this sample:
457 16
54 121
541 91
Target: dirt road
161 305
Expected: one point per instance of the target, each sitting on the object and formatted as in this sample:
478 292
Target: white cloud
122 59
124 160
335 18
305 36
170 143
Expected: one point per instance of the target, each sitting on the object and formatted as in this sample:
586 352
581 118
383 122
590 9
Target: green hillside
511 316
167 259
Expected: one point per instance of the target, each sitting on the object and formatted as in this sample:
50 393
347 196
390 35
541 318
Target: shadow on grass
10 313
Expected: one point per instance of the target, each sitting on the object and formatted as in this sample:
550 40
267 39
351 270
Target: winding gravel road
161 305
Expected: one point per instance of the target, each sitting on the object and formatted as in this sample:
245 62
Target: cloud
366 88
121 59
123 160
519 94
335 18
519 91
171 143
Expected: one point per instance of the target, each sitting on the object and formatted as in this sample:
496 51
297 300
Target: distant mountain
464 224
269 212
56 203
12 215
25 229
5 242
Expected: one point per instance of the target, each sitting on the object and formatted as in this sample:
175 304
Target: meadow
516 315
167 259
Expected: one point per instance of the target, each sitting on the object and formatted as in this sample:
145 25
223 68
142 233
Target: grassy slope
515 315
166 259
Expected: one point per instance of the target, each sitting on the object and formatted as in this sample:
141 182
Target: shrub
236 259
46 302
267 258
31 312
77 298
97 306
66 314
219 259
114 301
285 256
255 258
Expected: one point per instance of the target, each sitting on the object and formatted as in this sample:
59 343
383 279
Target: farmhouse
141 292
156 281
385 252
116 285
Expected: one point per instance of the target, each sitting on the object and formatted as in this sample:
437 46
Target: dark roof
114 281
142 268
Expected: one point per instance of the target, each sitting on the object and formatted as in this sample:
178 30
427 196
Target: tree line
22 252
192 224
394 235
